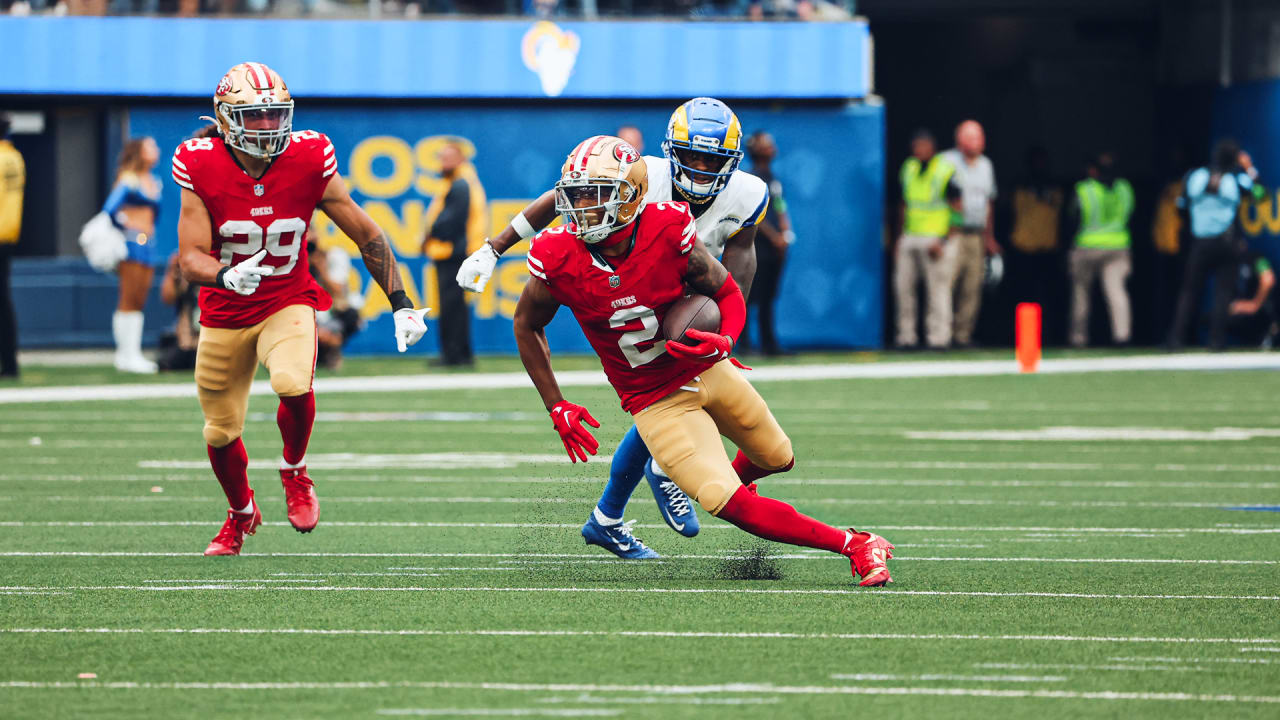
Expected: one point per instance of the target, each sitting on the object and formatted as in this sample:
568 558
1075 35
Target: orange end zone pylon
1027 330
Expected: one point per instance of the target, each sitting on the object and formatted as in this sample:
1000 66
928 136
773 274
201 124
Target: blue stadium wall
1251 114
518 117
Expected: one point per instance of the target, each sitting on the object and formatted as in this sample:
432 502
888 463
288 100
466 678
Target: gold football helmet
254 110
602 187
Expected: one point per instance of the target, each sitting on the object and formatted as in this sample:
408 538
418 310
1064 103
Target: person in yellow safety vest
928 214
13 179
1103 203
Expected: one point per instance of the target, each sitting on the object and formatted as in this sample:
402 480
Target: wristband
217 279
523 228
400 301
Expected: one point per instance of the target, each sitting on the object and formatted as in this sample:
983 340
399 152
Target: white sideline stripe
1070 466
1235 661
789 481
1249 649
590 378
446 499
584 698
1088 668
753 688
876 677
1097 434
649 633
501 712
223 585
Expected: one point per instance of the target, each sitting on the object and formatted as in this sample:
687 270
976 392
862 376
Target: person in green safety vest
927 216
1103 204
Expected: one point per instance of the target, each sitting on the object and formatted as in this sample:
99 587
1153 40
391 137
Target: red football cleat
300 496
231 536
867 553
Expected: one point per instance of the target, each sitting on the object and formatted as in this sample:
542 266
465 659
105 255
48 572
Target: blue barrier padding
179 57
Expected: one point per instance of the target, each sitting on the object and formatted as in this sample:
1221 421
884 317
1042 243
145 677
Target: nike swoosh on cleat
671 520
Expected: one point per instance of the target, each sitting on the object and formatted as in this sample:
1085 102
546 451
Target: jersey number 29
255 238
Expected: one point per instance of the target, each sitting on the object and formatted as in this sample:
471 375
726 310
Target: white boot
126 327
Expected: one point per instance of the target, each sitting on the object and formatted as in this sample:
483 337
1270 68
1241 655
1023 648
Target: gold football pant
227 358
682 432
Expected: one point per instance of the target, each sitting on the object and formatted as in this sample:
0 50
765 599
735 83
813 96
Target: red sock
749 472
231 466
295 417
775 520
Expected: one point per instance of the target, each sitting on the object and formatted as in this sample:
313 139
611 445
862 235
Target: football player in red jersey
249 189
619 265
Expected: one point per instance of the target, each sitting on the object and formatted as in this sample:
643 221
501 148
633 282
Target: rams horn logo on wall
224 85
551 53
625 153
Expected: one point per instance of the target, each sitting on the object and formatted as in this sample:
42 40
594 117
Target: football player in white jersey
703 146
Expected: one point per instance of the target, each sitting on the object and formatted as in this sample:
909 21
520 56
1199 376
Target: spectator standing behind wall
446 246
976 239
772 242
929 199
13 180
1103 203
1212 197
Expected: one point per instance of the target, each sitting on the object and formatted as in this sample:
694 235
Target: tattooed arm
365 233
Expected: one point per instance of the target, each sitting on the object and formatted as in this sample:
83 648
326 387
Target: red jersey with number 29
620 302
249 214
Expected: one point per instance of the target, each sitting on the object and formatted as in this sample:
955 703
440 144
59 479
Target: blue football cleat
676 507
617 539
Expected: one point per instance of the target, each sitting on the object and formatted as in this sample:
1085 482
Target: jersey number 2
629 340
255 238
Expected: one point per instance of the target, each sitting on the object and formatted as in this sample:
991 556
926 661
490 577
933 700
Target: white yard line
1251 649
594 378
890 677
1044 466
580 558
413 632
500 712
1088 668
223 585
586 501
1233 661
751 688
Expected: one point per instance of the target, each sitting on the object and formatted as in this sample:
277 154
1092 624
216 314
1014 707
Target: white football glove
411 325
478 268
244 277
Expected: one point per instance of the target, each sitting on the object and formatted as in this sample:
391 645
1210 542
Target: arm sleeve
452 222
733 309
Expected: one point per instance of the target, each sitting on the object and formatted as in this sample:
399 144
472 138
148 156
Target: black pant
8 325
455 317
1214 256
764 294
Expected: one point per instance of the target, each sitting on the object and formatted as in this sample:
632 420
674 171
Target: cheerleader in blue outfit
132 207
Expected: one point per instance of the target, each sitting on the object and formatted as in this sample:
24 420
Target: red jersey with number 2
249 214
620 302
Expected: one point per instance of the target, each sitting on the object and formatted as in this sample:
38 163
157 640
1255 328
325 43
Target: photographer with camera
1211 197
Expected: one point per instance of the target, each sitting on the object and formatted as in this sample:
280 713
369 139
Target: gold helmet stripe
680 124
733 136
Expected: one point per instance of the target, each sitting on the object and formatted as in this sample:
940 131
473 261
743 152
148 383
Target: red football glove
711 347
578 441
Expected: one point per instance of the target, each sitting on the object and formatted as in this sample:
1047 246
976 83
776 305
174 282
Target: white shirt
741 204
977 183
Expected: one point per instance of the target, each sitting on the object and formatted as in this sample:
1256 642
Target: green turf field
1093 570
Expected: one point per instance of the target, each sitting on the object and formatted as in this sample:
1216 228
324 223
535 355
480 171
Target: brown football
692 311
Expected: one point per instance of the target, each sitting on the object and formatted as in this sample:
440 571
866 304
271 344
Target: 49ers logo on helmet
224 85
625 153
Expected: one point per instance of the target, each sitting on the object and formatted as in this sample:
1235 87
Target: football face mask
593 205
258 130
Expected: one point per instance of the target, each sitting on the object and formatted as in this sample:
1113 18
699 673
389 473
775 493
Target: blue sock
625 474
